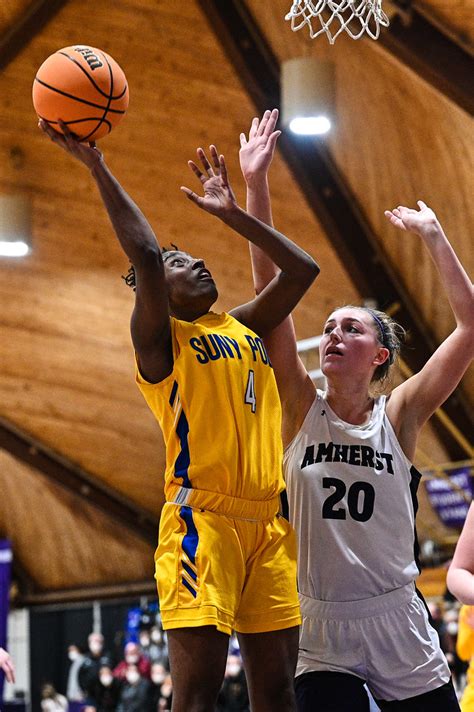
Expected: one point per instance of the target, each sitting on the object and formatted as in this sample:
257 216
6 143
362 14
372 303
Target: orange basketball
85 88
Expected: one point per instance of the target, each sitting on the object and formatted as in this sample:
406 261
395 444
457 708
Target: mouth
333 351
204 275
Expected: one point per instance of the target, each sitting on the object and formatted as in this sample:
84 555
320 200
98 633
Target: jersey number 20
360 507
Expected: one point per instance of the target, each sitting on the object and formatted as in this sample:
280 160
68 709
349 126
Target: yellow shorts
229 572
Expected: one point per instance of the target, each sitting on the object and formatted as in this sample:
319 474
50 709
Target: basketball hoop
335 16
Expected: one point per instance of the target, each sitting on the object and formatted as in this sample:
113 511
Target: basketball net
335 16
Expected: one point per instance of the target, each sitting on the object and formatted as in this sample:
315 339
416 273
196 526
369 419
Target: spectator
158 675
158 650
106 691
133 656
135 693
74 691
166 695
52 701
233 696
93 660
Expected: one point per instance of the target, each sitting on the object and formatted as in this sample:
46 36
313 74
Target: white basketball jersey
352 501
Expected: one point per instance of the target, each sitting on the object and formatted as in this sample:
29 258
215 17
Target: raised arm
294 384
461 571
415 400
6 664
297 268
150 324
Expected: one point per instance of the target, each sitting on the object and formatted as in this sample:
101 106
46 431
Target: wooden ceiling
66 379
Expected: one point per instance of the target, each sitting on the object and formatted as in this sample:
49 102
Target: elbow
310 271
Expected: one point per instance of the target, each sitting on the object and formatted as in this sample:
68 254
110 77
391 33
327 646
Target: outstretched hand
422 221
87 153
6 664
218 198
256 152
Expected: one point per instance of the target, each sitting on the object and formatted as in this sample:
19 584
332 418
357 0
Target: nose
335 334
198 264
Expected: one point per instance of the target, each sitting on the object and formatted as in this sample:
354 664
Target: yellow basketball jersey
219 410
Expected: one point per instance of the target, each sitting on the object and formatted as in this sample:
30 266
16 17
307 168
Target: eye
353 329
177 262
327 329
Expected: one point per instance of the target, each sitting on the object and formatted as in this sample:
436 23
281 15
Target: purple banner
450 498
5 578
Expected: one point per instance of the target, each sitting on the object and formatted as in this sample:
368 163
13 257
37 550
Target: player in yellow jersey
226 559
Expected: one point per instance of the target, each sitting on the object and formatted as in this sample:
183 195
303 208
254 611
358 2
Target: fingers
272 140
223 170
243 140
205 162
253 128
271 122
421 204
393 216
214 156
191 195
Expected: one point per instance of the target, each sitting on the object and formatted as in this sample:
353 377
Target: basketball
85 88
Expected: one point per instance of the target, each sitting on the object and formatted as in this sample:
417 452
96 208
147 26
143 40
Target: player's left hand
422 222
218 198
6 664
256 152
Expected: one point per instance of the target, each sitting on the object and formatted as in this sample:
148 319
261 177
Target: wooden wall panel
61 544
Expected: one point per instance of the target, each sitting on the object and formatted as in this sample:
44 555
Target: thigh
197 659
200 569
269 599
331 692
270 663
443 699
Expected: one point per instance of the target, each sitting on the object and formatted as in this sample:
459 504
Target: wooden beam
329 197
88 593
30 22
416 41
74 479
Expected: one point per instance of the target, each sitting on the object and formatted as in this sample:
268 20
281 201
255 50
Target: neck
184 314
351 402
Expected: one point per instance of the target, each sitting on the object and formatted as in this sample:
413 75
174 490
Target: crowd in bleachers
137 679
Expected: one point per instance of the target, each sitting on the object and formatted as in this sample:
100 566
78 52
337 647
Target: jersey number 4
360 500
250 398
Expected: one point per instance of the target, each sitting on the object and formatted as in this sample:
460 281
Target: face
350 344
190 284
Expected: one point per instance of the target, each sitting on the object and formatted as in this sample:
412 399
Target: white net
333 17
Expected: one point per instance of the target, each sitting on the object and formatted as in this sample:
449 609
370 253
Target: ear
383 354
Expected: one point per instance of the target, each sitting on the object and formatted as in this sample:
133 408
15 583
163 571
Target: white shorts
386 640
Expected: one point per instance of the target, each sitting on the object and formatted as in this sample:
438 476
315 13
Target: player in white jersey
351 483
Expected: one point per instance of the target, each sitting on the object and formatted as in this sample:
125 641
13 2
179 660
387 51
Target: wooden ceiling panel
396 140
11 11
456 17
64 545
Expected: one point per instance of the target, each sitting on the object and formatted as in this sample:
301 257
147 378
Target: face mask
131 659
145 641
233 670
452 628
158 677
166 690
133 676
106 680
156 636
95 648
73 655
